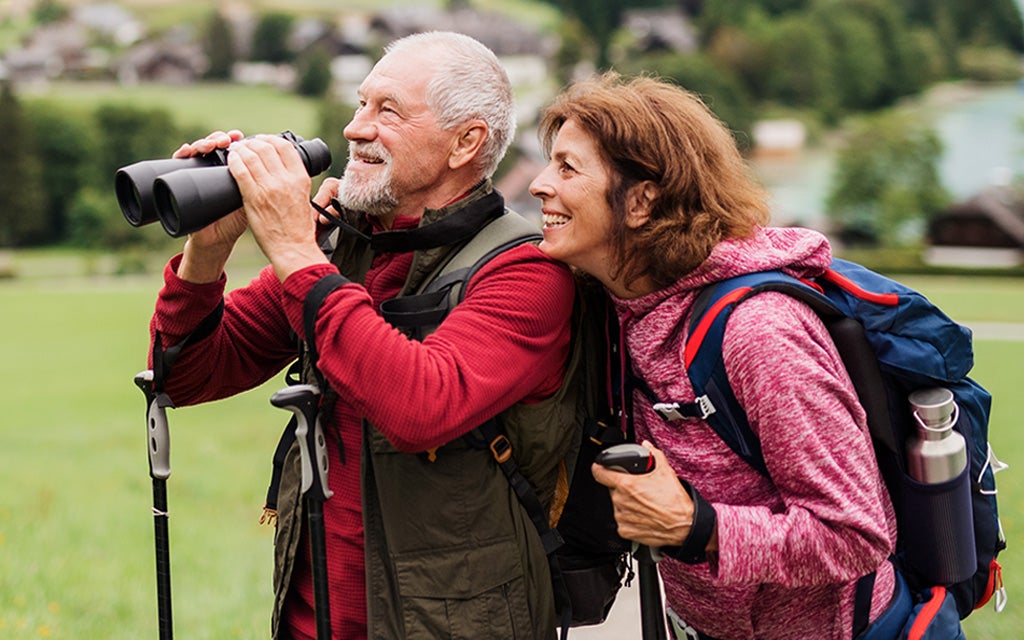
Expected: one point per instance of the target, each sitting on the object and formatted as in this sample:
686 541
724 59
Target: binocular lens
134 185
187 194
130 200
189 199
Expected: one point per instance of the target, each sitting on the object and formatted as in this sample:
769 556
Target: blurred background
895 127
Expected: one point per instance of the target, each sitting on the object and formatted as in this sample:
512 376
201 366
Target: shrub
989 64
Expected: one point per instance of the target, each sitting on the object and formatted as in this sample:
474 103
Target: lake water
982 131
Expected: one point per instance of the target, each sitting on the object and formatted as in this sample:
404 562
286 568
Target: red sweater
506 342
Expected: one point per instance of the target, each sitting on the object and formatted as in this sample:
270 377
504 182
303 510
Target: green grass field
76 537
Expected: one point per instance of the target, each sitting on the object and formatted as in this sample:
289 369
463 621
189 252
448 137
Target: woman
646 191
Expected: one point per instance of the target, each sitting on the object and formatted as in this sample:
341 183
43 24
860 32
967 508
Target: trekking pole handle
627 458
156 423
633 459
303 400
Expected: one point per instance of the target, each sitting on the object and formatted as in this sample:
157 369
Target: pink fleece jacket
790 548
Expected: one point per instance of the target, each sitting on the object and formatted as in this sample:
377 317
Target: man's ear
639 204
467 145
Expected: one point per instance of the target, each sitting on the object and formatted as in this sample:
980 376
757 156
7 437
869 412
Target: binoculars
187 194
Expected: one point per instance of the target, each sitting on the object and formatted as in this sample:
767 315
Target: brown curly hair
652 130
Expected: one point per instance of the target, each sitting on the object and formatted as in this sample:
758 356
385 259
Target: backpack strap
717 405
715 401
493 434
421 313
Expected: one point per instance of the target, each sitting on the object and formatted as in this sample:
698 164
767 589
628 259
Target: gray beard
373 197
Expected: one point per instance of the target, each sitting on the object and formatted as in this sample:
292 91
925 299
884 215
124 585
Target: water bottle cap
933 407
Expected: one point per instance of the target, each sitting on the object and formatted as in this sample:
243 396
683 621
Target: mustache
369 151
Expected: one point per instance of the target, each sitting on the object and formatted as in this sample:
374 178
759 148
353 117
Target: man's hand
651 508
275 187
327 191
208 249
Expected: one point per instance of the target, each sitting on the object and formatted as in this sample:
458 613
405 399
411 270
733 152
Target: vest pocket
464 592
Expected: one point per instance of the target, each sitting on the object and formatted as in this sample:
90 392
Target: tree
126 135
219 46
717 86
858 65
49 11
887 182
574 47
129 134
65 139
746 52
23 219
270 39
314 72
992 23
600 18
802 59
332 116
902 59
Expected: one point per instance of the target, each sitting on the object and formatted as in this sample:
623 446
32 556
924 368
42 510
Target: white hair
468 83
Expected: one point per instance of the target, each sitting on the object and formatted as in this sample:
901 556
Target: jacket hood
796 251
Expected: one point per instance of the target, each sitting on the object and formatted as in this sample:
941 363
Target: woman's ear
467 145
640 203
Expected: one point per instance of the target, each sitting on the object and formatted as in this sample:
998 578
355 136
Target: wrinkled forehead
403 74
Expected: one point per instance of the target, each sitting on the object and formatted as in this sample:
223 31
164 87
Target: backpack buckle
501 448
668 410
701 408
705 406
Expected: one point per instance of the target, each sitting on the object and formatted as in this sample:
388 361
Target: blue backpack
893 341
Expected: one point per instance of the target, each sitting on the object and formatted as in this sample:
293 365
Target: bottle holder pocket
937 523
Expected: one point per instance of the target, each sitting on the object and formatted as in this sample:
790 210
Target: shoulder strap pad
706 369
423 312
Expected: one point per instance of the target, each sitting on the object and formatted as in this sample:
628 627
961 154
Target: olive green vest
450 552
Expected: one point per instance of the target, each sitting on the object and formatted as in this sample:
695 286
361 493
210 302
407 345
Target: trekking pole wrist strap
693 548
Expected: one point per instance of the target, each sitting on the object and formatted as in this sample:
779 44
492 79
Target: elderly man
449 552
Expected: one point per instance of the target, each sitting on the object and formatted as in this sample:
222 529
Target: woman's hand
652 508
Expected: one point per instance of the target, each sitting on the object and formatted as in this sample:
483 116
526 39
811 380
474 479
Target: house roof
497 32
1002 205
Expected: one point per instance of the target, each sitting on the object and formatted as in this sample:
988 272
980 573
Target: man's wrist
202 266
288 261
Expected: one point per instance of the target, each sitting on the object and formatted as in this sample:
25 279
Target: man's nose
361 127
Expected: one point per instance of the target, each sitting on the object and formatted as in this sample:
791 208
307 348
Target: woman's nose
540 187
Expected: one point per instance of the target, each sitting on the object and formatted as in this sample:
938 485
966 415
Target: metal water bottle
938 453
937 512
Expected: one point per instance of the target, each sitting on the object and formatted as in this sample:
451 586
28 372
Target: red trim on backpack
889 299
927 614
995 582
812 284
694 341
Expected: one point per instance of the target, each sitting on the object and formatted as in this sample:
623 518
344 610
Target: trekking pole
159 446
303 401
652 615
632 458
